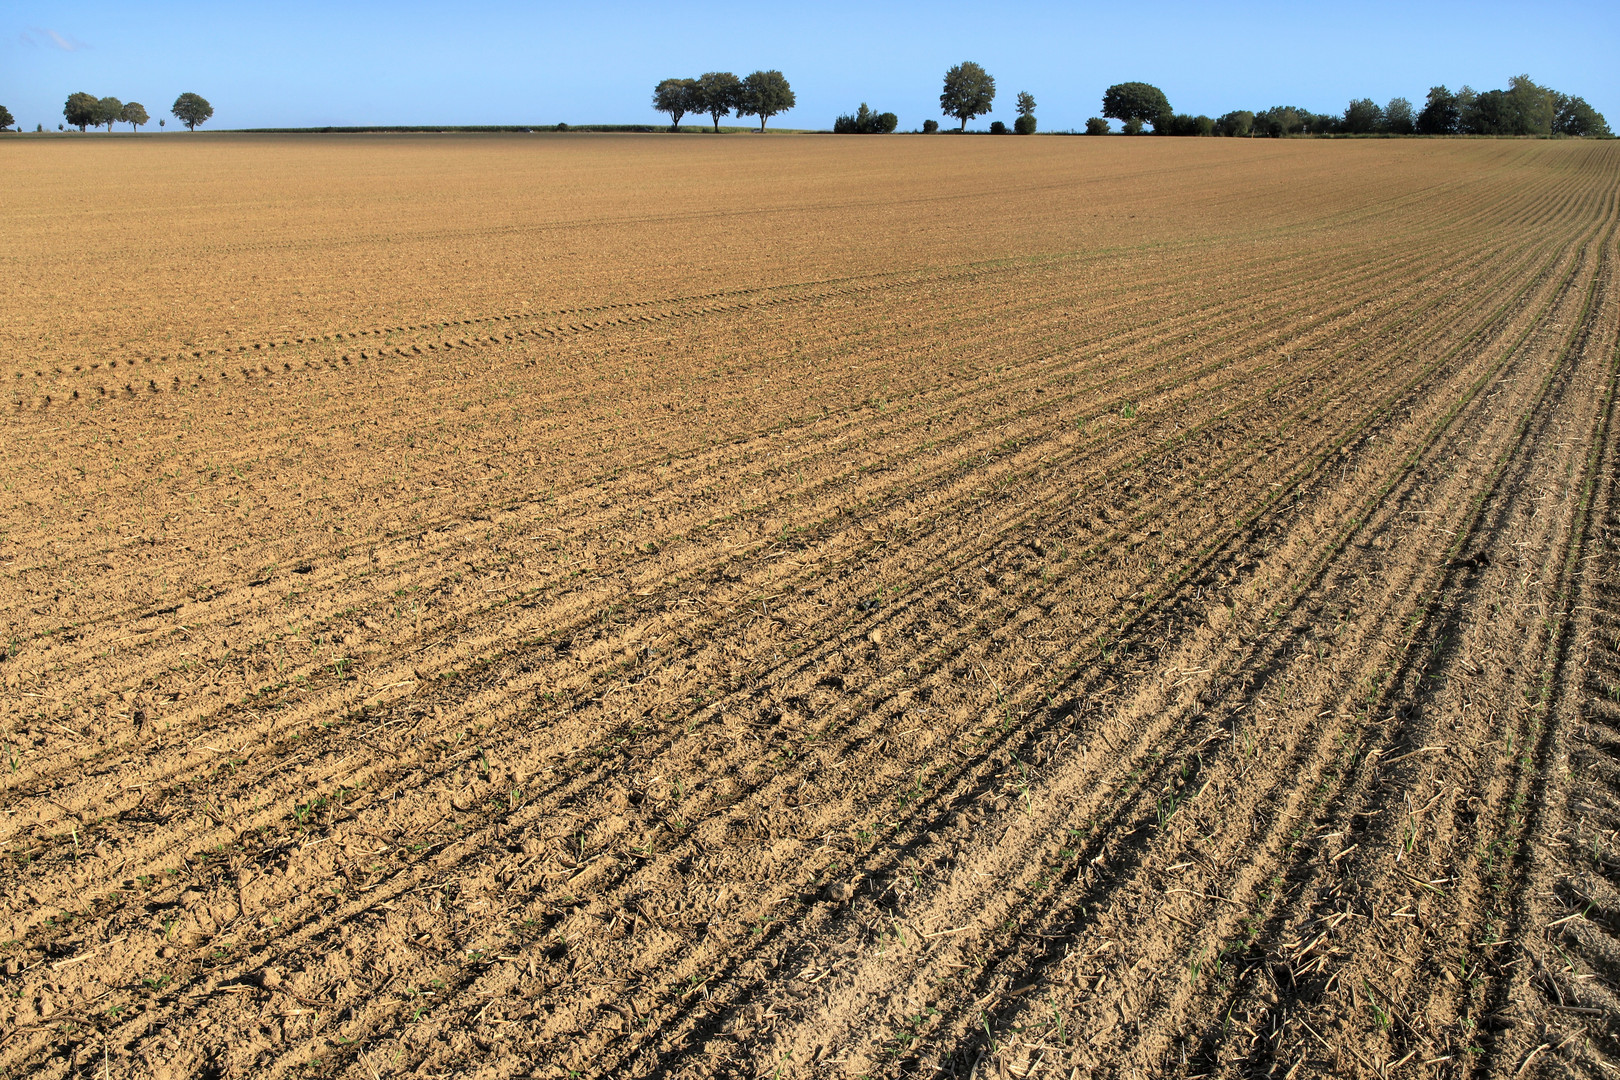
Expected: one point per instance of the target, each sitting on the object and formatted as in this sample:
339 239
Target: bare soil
809 607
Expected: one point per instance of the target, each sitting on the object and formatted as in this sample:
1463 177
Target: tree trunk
964 124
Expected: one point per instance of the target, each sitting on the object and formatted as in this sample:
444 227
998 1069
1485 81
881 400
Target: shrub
1133 126
997 128
930 127
865 122
1096 126
1024 125
562 127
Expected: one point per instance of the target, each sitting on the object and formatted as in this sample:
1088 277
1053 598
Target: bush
1133 126
997 128
866 122
1024 125
562 127
1182 124
1096 126
930 127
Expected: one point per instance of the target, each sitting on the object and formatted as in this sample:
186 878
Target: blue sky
498 62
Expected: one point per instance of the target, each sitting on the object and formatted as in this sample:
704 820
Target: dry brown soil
809 607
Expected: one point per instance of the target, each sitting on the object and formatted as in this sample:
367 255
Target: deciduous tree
133 114
1531 109
1096 125
1139 101
969 91
1576 117
6 119
1399 119
1237 124
81 109
718 93
1439 115
108 110
192 109
1278 121
677 97
1362 116
764 94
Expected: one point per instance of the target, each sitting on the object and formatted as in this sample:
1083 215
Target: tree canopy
133 114
1183 124
1362 116
1238 124
1279 120
1439 114
108 111
718 93
677 97
82 109
1576 117
969 90
764 94
1139 101
1399 118
192 109
6 119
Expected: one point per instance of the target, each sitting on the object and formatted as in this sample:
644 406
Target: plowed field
809 607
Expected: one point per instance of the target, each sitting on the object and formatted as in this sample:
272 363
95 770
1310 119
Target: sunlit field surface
720 606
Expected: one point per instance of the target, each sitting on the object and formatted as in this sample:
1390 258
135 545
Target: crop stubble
720 607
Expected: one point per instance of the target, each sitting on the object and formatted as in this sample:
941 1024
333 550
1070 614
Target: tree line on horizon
1524 108
720 93
85 111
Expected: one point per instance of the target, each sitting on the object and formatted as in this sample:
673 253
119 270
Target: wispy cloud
43 35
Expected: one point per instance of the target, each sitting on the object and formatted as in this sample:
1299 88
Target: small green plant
1166 809
1380 1015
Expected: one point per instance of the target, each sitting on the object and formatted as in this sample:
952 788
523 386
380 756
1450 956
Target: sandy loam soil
808 607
